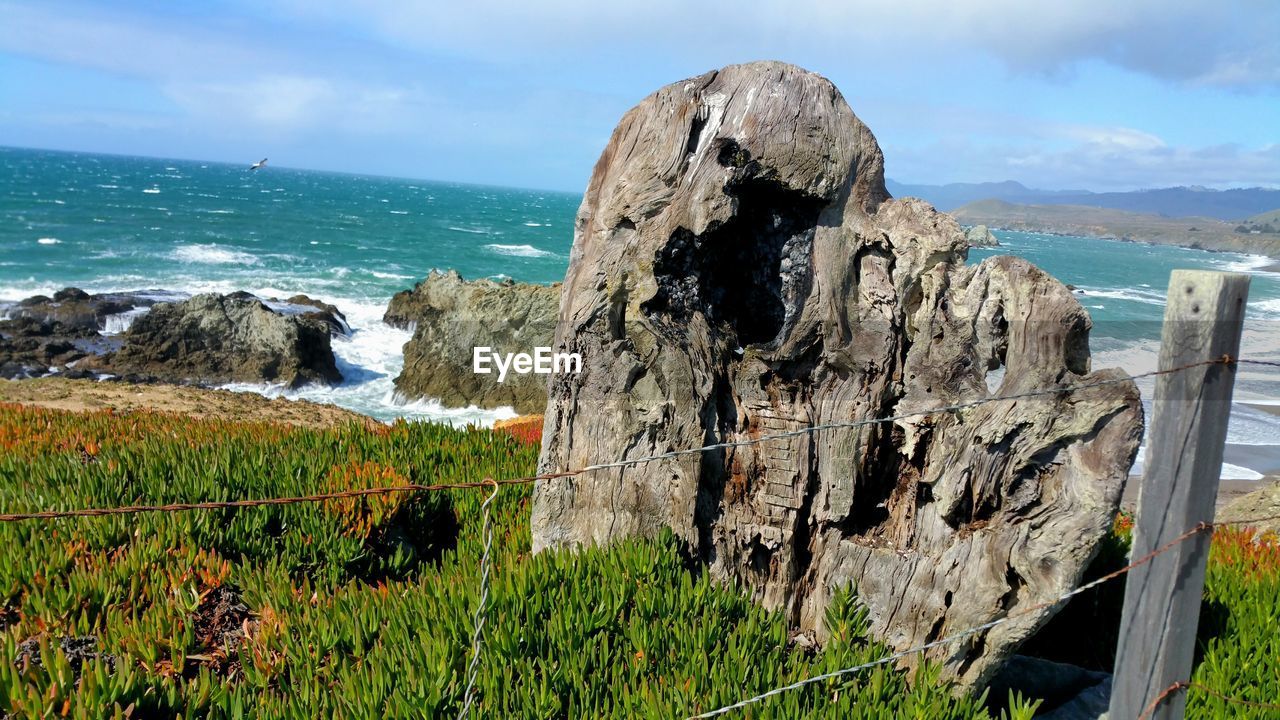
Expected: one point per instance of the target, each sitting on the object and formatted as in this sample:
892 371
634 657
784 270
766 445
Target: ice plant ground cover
363 607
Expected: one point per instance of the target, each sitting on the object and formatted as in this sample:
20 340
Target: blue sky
1089 94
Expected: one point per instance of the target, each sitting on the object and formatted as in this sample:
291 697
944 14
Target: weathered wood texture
1202 321
738 269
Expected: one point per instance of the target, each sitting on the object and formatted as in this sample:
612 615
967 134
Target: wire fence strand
473 668
1202 527
841 425
487 530
1187 685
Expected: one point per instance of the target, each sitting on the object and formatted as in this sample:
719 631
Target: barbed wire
840 425
487 531
1187 685
468 694
918 649
261 502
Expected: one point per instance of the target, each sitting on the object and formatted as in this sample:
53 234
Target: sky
1086 94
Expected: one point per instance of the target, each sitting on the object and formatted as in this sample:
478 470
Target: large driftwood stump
738 270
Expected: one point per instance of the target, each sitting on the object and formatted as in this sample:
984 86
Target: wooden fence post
1202 321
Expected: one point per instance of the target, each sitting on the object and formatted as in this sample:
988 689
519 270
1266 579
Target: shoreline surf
331 237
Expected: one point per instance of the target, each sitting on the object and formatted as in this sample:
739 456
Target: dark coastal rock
304 306
72 310
215 339
41 333
1064 690
981 236
738 270
327 313
232 338
450 317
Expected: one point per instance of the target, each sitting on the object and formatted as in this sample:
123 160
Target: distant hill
1176 202
953 195
1198 232
1265 222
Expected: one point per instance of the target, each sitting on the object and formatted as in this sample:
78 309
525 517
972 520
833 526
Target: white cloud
1095 165
132 46
1118 138
224 82
1227 42
230 82
101 119
272 101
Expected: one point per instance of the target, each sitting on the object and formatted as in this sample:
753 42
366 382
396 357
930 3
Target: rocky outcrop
30 348
305 307
1261 503
222 339
450 317
156 335
42 334
739 271
69 310
981 236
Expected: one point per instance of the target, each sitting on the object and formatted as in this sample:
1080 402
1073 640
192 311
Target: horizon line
276 166
577 193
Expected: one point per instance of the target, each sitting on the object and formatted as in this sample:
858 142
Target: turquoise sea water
121 223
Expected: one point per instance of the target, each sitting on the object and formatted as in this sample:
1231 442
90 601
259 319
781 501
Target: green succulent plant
363 607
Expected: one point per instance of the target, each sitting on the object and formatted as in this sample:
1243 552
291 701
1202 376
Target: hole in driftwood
747 274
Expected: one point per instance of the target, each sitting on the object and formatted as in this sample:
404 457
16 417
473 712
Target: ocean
110 223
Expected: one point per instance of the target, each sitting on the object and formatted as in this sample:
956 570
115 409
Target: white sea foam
48 241
398 212
473 231
1264 310
369 360
528 251
1248 426
1141 295
212 255
533 224
26 290
389 276
1238 472
120 322
1248 264
1229 471
152 191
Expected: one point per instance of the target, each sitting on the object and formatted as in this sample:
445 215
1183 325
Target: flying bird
258 164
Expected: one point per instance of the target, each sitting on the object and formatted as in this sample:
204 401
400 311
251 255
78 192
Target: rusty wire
495 484
1186 685
345 494
1199 528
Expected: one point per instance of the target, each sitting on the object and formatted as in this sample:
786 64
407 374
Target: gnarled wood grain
739 270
